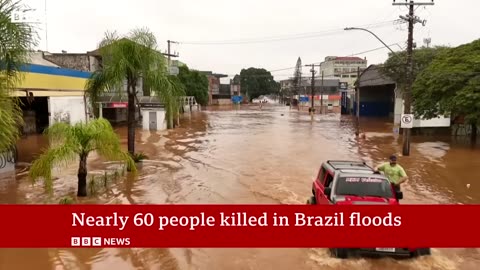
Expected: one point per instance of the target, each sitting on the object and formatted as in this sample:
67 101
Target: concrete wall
7 163
75 61
334 103
161 120
235 89
192 108
441 121
38 58
66 109
222 101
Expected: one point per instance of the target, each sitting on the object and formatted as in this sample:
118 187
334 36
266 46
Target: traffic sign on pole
406 121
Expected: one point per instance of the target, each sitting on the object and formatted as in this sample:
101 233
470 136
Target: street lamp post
366 30
358 76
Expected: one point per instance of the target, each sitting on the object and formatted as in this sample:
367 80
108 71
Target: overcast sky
310 29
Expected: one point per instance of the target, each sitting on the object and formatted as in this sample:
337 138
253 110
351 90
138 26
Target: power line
284 37
371 50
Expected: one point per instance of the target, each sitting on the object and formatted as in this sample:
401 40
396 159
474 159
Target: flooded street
251 156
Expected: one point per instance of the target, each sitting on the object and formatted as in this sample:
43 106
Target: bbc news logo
98 241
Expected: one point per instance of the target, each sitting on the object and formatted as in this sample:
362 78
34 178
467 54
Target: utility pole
312 108
170 55
321 95
357 94
407 96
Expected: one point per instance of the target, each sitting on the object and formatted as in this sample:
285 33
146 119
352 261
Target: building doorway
35 114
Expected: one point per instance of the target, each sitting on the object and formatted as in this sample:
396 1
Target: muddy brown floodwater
252 156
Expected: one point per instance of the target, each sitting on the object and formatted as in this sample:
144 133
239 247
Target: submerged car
353 182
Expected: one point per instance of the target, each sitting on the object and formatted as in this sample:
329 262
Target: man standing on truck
394 172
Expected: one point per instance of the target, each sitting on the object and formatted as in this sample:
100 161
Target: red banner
406 226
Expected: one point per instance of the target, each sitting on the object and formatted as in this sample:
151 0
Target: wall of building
343 68
161 120
222 101
37 58
67 109
75 61
7 163
441 121
213 87
235 89
49 81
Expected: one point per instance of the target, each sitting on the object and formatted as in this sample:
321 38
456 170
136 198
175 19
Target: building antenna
427 41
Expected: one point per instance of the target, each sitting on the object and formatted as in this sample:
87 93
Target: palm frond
132 58
16 39
42 167
11 120
71 141
102 81
59 132
106 143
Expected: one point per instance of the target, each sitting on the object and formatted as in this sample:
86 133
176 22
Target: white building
343 68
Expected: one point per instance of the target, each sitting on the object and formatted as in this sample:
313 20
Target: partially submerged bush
137 157
66 200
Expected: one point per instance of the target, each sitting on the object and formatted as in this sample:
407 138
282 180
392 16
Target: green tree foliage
194 83
451 84
255 82
129 59
16 39
69 142
396 69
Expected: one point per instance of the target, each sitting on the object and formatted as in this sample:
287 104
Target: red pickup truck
341 182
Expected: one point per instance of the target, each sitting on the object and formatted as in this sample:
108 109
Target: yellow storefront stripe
50 85
51 82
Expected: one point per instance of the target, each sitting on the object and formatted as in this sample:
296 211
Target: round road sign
407 119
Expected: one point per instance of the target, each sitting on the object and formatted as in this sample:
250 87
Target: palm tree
71 141
131 59
16 40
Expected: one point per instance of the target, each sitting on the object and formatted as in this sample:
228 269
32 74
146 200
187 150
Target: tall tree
255 82
129 59
78 141
16 40
395 66
195 84
297 77
451 85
